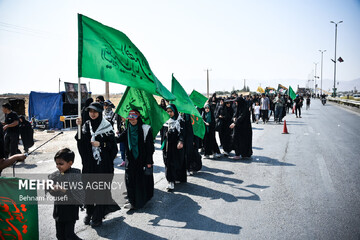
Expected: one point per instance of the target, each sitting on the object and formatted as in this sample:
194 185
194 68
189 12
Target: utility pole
107 91
315 79
59 84
336 24
207 81
244 84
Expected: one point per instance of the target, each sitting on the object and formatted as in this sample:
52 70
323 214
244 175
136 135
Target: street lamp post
315 76
334 91
322 54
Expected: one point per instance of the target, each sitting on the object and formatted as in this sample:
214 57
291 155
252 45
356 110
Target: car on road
356 96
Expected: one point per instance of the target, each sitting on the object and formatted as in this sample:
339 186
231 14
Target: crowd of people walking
230 117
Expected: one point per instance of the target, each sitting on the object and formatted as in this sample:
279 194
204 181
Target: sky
265 42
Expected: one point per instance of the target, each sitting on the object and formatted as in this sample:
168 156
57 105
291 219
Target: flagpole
79 107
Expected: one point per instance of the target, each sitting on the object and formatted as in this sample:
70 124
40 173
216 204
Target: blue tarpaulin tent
46 106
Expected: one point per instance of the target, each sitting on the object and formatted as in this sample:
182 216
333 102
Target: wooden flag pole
79 107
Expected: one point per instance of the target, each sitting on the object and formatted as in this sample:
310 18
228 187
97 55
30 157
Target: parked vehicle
40 124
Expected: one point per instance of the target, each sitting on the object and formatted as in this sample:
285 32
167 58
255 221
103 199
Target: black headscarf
95 123
173 107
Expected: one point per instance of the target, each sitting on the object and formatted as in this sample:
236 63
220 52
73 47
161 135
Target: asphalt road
301 185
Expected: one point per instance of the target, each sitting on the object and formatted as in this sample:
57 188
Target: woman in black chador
98 149
139 148
210 144
26 133
225 115
242 142
173 148
192 155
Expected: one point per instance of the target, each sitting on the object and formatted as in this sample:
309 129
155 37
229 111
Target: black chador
192 155
225 115
174 159
139 151
99 160
243 131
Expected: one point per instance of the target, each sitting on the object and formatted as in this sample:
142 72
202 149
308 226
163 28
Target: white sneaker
170 186
213 156
188 173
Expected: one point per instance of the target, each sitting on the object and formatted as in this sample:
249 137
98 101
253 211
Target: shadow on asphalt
108 227
180 211
268 161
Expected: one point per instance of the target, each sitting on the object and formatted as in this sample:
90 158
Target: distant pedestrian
279 105
308 102
298 105
264 107
257 112
11 130
26 133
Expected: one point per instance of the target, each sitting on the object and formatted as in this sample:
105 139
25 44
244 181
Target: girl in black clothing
26 133
98 149
139 148
210 144
225 115
173 148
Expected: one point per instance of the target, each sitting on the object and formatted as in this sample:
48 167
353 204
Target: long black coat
243 131
174 159
210 144
192 156
27 134
225 130
140 187
105 167
108 153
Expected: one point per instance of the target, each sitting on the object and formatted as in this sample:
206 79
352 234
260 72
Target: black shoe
96 224
87 220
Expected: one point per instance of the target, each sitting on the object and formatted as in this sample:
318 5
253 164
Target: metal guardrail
347 102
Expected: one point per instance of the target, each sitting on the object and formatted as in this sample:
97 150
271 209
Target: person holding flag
98 149
173 148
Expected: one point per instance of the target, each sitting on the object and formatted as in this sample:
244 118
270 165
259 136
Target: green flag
184 104
145 103
198 99
292 94
18 210
108 54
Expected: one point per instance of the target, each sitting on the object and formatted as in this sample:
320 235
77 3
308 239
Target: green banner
18 210
292 94
108 54
184 104
198 99
145 103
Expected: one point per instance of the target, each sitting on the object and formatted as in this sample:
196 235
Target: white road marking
329 186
